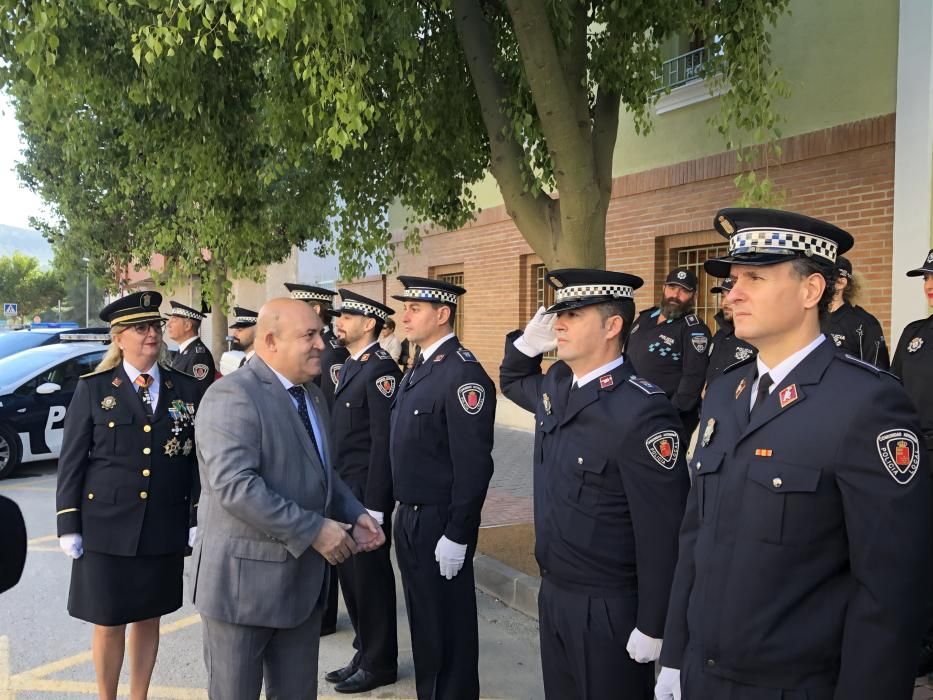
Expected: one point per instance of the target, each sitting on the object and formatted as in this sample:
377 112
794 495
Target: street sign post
10 309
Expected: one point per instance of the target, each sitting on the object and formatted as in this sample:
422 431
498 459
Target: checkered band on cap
177 311
426 294
304 295
586 291
786 241
247 319
353 305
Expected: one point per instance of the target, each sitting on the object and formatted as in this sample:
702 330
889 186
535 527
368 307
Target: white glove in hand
539 336
668 685
450 556
643 648
377 516
72 545
192 533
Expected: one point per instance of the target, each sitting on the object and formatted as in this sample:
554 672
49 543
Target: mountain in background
26 241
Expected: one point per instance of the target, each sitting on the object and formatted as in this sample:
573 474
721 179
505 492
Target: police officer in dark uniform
441 439
725 349
193 356
850 326
366 385
803 552
244 332
610 488
127 491
12 545
668 346
913 363
332 359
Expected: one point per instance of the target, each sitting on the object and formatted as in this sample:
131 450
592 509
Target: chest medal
915 344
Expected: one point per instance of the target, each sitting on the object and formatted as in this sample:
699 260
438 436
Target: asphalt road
45 654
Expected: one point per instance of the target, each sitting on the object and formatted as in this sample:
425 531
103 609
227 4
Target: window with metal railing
544 296
682 69
707 303
457 279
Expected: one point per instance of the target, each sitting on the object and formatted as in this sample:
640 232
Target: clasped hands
337 541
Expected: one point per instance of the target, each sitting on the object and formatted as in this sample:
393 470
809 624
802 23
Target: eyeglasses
143 328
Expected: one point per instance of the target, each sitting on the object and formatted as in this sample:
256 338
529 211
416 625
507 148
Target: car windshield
17 341
23 364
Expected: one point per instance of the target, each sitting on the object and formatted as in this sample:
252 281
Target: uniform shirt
610 480
913 363
671 355
332 359
798 563
726 349
195 359
153 372
441 436
781 369
858 333
363 400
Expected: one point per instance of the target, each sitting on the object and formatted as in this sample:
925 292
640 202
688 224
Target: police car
36 387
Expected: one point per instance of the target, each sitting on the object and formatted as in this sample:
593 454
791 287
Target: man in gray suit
265 529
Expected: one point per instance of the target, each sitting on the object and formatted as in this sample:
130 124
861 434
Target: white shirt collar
134 373
368 348
287 383
608 367
779 373
431 349
185 343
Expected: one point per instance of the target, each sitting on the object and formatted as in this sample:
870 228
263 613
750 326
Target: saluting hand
333 542
368 534
539 336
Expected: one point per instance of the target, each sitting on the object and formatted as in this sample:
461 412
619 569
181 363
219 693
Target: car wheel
9 452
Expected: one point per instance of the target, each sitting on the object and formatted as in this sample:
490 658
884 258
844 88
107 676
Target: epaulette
739 363
466 355
645 385
383 355
199 349
95 373
691 320
333 343
647 311
859 362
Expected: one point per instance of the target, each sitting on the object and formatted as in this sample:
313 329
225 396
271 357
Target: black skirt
113 590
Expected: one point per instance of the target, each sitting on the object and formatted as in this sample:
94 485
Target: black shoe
363 680
327 631
341 674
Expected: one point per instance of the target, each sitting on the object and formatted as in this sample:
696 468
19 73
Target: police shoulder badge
664 448
914 344
471 397
691 319
335 372
899 450
466 355
199 371
386 385
742 354
108 403
699 342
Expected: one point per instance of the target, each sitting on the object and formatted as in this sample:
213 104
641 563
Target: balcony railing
682 69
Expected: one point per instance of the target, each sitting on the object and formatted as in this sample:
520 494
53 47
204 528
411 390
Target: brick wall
844 174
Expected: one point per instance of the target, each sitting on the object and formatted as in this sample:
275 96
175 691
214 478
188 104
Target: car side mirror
48 388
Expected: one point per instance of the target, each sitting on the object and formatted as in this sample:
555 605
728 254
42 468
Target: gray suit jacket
264 495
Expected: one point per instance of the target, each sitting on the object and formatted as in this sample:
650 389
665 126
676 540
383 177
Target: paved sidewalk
509 500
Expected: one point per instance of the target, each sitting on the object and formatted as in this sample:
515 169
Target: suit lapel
439 355
589 393
742 398
166 394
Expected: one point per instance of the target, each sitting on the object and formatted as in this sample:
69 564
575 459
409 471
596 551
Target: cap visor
575 304
919 272
722 267
683 285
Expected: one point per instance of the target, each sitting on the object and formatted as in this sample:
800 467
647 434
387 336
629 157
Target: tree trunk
218 313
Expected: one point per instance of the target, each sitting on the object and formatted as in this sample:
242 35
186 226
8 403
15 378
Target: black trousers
368 583
329 618
583 642
441 613
698 684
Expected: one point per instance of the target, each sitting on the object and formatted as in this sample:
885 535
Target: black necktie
298 392
764 384
414 368
144 381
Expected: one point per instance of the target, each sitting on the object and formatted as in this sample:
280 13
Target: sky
17 203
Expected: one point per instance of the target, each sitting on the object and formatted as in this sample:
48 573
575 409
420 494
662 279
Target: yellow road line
5 692
17 487
163 692
39 540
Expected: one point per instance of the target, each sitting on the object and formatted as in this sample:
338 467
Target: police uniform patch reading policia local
386 385
335 372
664 447
699 342
199 371
900 453
471 397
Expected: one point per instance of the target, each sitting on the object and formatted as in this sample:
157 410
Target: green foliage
22 281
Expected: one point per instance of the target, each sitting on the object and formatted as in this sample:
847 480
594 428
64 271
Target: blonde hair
114 355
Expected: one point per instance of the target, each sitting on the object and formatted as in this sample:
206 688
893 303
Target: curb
514 588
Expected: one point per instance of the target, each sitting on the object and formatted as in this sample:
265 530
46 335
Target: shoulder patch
645 385
472 396
664 448
743 361
199 348
386 385
466 355
691 319
899 450
383 355
200 371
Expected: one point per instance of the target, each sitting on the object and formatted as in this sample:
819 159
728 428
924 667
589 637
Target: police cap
724 287
244 318
425 289
682 277
187 312
138 307
575 287
357 304
925 269
305 292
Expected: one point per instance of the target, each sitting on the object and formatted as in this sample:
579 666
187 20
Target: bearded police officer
366 385
803 563
193 357
332 358
851 327
441 447
668 346
244 332
610 488
726 349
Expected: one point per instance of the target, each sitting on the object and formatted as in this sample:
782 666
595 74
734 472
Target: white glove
192 533
377 516
642 648
668 685
539 336
450 556
72 545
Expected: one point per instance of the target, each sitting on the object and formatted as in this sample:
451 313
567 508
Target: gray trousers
240 657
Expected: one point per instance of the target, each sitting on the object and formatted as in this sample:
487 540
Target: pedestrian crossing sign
9 309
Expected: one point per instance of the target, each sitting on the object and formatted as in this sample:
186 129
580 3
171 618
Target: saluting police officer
193 357
441 440
366 385
851 327
803 552
332 359
725 349
127 491
610 484
668 346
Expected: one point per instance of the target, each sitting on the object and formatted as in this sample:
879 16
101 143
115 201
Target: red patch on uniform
665 448
472 396
788 395
605 380
902 453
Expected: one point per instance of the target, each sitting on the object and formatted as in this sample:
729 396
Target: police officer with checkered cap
193 356
851 327
668 345
802 567
366 386
725 348
610 488
441 440
244 332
